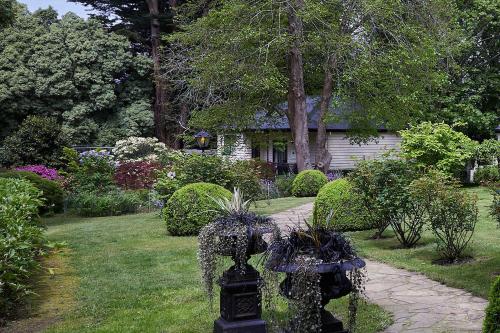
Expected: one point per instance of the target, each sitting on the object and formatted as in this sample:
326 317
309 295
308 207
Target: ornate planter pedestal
333 284
240 296
240 302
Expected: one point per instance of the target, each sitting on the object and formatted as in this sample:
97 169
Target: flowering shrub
136 175
41 170
138 149
94 172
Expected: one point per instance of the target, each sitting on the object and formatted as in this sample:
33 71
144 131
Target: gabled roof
312 105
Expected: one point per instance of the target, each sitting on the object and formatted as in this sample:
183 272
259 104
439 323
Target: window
256 152
280 152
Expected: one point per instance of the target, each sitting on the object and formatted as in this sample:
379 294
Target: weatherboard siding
345 155
239 150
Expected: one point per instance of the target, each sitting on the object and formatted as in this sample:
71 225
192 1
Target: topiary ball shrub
52 192
192 207
492 319
308 183
338 205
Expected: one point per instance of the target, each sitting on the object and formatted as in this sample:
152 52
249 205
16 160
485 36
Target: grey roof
312 104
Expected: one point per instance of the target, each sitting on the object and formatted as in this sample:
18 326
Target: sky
61 6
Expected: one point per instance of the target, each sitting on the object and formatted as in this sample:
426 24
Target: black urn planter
240 296
333 284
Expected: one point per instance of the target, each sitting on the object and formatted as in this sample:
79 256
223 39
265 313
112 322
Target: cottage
272 142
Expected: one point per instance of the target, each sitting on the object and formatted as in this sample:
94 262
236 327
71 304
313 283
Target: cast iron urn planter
240 297
333 284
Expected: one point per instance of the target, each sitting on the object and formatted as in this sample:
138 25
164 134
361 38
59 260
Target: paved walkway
418 304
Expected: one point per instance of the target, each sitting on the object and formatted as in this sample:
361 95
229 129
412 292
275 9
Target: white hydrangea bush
134 149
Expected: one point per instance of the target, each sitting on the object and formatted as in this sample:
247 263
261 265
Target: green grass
475 276
133 277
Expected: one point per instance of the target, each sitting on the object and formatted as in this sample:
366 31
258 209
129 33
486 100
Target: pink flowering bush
41 170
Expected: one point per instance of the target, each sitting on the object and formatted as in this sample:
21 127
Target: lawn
132 277
475 276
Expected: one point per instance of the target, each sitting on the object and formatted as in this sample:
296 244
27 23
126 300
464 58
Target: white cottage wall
345 155
240 150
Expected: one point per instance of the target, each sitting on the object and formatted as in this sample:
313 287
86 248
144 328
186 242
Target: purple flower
41 170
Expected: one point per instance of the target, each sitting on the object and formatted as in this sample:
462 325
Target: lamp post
203 139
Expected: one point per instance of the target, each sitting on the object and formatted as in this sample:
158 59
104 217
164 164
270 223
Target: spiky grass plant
237 233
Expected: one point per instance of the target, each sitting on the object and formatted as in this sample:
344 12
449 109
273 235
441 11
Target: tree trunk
323 157
160 82
297 112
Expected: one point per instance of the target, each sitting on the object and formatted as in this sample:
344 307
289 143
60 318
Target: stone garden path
418 304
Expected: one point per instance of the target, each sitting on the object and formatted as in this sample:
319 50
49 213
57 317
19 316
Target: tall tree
379 59
76 71
471 100
143 21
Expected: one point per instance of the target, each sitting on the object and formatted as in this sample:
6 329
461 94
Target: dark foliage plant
136 175
236 233
52 193
306 249
492 319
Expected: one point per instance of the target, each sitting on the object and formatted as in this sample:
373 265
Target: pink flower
41 170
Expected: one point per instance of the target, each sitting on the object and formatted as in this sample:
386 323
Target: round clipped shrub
339 206
191 207
492 319
308 183
52 192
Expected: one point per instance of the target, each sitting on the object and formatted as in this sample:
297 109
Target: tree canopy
75 71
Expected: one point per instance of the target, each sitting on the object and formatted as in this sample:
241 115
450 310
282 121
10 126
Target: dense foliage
192 207
111 202
452 213
38 140
488 152
437 145
486 175
21 240
492 318
339 208
308 183
51 192
382 185
77 72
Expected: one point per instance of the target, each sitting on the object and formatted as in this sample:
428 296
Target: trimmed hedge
492 318
192 207
52 192
347 211
308 183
